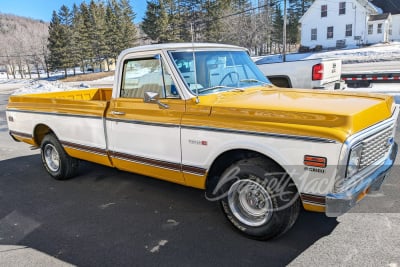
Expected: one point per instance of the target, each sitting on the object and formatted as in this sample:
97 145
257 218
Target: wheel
55 160
230 75
259 198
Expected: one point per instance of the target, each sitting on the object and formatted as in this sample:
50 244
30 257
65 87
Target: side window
329 33
324 11
146 75
370 28
342 8
314 34
379 28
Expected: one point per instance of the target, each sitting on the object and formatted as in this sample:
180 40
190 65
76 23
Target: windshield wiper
237 90
213 88
253 81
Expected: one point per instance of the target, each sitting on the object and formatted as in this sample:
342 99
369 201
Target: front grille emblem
389 142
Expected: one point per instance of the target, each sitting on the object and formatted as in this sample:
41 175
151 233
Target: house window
349 30
370 28
324 11
342 8
313 34
329 34
380 28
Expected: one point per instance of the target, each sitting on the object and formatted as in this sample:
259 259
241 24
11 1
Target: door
145 137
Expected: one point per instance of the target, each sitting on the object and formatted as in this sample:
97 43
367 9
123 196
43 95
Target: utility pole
284 30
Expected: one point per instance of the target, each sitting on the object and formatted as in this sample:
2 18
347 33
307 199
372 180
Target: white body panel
288 153
163 143
153 142
68 128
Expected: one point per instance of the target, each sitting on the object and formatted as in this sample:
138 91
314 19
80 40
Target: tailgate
332 70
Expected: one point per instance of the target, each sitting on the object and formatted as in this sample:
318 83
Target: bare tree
21 40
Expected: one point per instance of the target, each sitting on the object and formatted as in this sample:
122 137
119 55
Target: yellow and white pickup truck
203 115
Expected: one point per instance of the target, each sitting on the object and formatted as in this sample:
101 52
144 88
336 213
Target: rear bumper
336 85
339 203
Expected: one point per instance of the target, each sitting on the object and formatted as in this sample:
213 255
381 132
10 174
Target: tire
56 161
259 199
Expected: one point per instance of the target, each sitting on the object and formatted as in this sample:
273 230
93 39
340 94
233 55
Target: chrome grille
375 147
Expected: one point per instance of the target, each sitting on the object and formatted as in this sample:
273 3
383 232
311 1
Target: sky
43 9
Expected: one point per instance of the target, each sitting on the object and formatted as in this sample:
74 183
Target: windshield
217 71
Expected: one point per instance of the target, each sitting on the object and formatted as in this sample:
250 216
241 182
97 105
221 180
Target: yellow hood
332 115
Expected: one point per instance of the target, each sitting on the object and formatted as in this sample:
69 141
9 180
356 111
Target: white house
338 23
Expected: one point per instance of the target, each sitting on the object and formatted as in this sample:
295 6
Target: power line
235 14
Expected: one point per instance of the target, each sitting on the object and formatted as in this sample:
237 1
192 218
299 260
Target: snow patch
35 87
373 53
161 243
104 206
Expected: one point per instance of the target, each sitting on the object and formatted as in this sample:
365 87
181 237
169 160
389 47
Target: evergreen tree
213 12
65 16
90 33
98 32
277 22
76 52
128 29
296 10
155 22
60 34
55 44
112 33
83 29
174 17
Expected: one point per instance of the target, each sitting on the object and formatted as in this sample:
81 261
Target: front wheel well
226 159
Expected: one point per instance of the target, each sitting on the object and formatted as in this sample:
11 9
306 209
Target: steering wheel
231 76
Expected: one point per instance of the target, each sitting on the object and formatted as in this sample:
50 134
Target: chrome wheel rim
250 202
51 157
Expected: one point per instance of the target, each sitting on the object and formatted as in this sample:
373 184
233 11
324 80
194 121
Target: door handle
117 112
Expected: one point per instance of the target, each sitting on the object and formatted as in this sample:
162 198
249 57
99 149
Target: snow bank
35 87
106 79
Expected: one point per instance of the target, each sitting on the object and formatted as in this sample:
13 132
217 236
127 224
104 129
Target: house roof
388 6
383 16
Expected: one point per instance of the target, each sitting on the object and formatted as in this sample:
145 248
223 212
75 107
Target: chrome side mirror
152 97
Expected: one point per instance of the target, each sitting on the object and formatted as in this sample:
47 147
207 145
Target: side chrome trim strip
159 163
90 149
276 135
226 130
158 124
189 127
55 114
20 134
138 159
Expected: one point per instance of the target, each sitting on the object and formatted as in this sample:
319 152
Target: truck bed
90 102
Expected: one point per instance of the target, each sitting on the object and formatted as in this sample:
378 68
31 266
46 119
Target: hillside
22 40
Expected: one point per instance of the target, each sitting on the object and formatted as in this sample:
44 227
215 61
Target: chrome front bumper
339 203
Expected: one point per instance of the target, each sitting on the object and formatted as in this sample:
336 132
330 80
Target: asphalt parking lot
105 217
